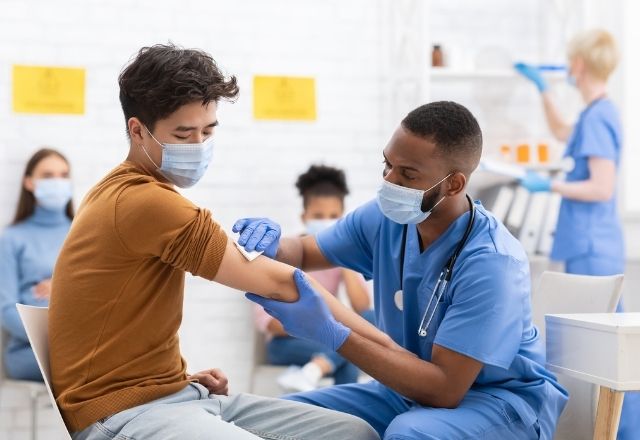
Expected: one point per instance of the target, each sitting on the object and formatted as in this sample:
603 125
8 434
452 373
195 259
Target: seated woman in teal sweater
28 251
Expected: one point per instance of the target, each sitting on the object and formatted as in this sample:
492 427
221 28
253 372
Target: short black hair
164 77
454 131
322 181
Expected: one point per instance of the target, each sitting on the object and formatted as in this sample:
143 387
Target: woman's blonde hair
599 51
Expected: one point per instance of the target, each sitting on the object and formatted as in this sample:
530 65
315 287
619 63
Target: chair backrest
566 293
36 324
559 292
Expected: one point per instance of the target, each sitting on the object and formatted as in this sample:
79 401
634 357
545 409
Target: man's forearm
354 321
405 373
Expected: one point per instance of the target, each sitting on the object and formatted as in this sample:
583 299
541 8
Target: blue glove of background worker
533 74
308 318
534 182
258 234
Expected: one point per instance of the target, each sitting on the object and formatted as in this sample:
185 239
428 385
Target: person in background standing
588 236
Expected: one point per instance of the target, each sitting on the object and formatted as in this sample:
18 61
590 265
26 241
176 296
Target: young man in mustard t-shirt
118 284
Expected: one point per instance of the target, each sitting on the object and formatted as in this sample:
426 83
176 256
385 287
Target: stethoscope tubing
445 274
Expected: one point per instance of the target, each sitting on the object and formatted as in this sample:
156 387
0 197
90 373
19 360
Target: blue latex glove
534 182
308 318
533 74
258 234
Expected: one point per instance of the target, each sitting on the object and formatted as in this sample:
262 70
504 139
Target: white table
600 348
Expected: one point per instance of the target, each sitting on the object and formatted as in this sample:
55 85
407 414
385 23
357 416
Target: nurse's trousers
479 415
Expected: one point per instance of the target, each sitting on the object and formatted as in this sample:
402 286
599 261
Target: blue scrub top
485 313
591 228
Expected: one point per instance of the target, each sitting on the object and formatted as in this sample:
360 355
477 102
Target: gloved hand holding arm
320 317
440 383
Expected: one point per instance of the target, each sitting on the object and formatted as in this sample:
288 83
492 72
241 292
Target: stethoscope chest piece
398 300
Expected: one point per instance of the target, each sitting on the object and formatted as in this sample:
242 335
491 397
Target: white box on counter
600 348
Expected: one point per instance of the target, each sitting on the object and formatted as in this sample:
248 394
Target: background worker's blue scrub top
589 234
485 314
591 228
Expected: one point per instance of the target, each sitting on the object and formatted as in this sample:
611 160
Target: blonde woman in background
588 235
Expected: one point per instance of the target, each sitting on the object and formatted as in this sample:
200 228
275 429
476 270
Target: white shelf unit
448 74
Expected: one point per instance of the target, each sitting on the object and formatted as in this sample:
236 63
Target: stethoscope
445 275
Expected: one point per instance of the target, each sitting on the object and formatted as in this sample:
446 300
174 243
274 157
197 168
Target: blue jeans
20 363
596 265
285 350
193 413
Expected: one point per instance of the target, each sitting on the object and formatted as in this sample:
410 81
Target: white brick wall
255 163
345 45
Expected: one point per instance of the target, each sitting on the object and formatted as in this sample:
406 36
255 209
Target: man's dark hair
454 131
164 77
322 181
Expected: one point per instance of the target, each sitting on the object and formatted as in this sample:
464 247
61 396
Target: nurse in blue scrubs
588 236
451 286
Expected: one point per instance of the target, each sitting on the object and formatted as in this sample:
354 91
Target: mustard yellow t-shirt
117 293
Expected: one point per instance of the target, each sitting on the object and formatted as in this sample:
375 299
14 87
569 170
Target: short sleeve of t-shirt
154 220
350 242
484 320
598 133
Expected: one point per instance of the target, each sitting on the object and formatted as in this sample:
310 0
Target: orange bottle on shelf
523 154
437 57
505 153
543 153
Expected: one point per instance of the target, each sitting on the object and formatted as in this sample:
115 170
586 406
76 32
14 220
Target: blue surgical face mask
317 225
53 194
404 205
183 164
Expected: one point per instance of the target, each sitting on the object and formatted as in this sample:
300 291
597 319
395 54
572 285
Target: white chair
559 293
264 376
36 323
35 389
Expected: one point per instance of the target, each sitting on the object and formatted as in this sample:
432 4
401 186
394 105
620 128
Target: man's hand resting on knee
214 380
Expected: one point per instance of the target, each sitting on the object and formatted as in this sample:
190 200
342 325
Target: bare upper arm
460 371
262 276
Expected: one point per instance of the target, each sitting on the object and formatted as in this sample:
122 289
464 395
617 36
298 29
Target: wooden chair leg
608 414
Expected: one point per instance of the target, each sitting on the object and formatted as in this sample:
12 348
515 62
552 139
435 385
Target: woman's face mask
315 226
404 205
52 194
183 164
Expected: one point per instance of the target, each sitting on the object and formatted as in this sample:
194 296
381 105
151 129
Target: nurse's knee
404 427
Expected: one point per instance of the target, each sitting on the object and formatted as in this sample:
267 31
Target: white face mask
404 205
317 225
183 164
53 194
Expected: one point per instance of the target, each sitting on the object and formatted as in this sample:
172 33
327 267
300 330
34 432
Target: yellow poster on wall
284 98
48 90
